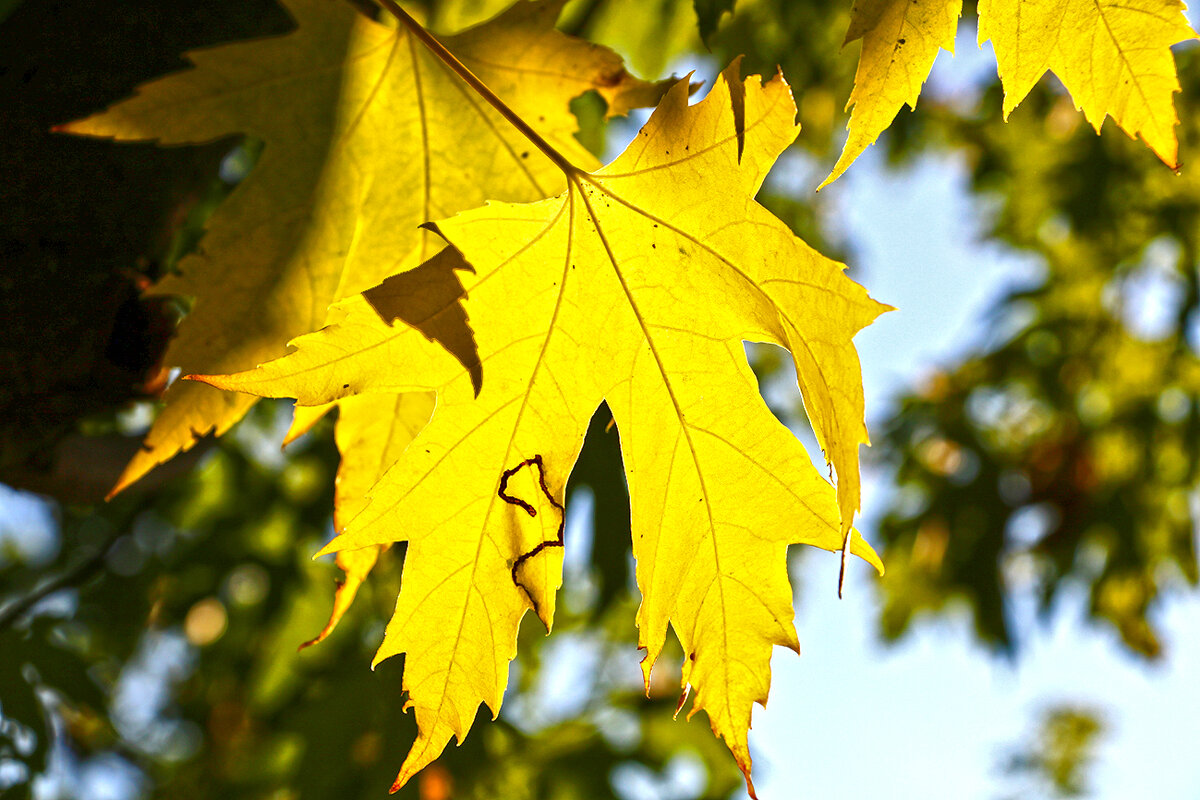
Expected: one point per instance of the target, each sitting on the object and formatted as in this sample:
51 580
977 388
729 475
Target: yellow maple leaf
1113 57
637 285
900 40
367 136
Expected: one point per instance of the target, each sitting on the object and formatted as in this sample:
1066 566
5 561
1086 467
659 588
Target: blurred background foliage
1054 762
148 645
1066 452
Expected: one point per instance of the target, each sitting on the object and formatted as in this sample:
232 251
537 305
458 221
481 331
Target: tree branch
72 577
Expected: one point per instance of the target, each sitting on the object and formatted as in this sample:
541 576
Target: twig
75 575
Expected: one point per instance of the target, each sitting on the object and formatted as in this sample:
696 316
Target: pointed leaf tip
356 566
900 41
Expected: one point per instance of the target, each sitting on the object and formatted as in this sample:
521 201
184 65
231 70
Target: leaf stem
845 557
460 69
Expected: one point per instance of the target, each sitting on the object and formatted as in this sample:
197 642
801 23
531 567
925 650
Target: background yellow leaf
374 429
900 40
367 136
1113 57
638 285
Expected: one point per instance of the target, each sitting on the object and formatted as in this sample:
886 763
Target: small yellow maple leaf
900 40
1113 57
638 285
367 136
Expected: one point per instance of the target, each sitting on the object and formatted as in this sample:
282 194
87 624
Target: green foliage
709 13
1056 761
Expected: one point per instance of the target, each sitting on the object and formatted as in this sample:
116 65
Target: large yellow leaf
638 285
1113 56
900 40
367 136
